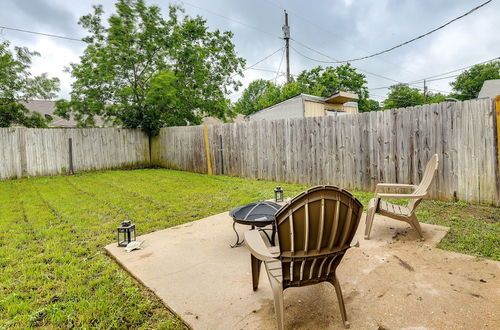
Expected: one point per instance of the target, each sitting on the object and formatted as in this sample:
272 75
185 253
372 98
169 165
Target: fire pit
258 214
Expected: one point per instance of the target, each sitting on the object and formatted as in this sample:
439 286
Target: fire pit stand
255 215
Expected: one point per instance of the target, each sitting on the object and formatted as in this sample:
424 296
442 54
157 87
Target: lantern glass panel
278 194
126 233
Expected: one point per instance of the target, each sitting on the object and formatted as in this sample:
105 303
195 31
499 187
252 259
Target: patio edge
125 268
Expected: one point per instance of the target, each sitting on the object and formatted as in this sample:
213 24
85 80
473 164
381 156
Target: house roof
46 107
314 98
216 121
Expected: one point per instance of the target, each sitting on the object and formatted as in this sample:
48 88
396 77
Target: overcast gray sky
341 29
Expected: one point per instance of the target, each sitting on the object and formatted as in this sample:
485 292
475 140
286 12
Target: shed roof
341 98
491 88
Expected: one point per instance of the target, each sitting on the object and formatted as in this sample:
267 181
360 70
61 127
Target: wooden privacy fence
351 151
36 152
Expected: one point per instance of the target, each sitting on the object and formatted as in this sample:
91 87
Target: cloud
54 59
340 29
47 15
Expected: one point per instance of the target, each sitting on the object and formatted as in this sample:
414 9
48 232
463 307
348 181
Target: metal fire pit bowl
258 214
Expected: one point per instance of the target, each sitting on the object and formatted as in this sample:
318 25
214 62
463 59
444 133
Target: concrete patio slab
392 281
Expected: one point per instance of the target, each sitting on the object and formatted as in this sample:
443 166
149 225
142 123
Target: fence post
497 124
23 155
70 142
207 150
221 156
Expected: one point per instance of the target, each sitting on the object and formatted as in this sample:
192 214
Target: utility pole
286 36
425 92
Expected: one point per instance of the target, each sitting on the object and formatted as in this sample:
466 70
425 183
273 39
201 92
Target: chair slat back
314 231
423 187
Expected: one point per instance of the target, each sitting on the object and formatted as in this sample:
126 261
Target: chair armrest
355 242
257 247
395 185
400 196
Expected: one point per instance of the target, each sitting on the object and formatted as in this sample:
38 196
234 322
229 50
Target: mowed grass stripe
64 273
98 276
131 207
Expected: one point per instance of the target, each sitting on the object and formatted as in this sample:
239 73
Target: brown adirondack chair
314 231
403 213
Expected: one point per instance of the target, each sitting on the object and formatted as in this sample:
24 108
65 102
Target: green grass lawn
55 273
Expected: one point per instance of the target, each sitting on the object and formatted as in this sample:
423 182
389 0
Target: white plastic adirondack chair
403 213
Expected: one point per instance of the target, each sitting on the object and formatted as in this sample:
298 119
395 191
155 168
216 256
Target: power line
40 33
253 27
258 62
310 58
464 68
438 76
442 78
311 22
185 2
279 67
431 89
420 36
337 62
264 70
230 19
346 40
415 84
394 47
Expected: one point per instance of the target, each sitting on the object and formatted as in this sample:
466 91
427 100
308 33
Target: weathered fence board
36 152
352 151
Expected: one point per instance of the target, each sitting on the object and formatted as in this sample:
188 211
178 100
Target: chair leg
415 224
340 298
370 214
256 263
277 288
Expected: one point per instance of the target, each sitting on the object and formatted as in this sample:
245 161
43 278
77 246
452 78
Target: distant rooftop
46 108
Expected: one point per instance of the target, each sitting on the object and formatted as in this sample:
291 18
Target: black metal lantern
126 233
278 194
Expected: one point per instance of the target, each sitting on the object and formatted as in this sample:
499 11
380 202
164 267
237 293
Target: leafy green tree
145 71
368 105
17 84
258 95
289 90
327 81
401 96
431 97
468 84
